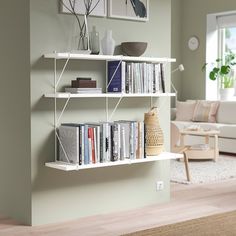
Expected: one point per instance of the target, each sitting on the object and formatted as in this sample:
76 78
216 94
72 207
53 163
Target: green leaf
213 75
216 70
225 70
218 59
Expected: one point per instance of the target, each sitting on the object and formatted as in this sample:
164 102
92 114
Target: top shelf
67 55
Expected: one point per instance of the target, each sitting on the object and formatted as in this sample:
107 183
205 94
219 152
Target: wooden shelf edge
73 167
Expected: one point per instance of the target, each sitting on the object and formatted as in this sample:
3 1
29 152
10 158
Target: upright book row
85 144
130 77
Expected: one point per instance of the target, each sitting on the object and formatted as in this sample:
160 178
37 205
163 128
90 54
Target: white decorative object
99 10
108 43
193 43
137 10
226 94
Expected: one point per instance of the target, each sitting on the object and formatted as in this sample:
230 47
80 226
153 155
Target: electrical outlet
159 185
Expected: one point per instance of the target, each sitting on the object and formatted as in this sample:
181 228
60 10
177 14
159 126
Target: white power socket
159 185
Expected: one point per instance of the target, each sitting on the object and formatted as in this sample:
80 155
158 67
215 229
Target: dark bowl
135 49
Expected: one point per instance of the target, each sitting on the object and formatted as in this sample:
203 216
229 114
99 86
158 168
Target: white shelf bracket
107 109
62 112
151 102
62 72
114 110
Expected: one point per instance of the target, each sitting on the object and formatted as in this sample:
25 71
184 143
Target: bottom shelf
70 167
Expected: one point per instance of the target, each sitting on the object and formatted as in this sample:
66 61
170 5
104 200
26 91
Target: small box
83 83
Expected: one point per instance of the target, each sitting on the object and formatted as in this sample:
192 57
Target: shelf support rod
63 70
107 109
114 110
151 102
62 112
55 108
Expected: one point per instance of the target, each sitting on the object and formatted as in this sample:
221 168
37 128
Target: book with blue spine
116 76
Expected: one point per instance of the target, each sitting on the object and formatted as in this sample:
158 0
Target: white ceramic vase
226 94
108 43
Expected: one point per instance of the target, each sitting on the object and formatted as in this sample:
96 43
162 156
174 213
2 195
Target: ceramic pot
226 93
108 43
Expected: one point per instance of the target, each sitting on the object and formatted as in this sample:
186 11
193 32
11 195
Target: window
221 41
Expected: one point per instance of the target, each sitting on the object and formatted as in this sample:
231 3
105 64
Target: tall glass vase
82 44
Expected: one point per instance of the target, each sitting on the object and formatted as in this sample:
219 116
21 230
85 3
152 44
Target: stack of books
92 143
130 77
83 85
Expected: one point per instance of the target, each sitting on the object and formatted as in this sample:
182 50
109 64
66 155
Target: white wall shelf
73 167
67 55
107 95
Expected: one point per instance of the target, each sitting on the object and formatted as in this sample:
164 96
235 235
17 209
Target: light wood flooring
188 202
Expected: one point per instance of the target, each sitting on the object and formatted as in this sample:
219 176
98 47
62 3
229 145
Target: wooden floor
188 202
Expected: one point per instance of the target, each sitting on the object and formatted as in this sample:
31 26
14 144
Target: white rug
204 171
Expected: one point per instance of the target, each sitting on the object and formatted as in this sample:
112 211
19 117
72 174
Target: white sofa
225 123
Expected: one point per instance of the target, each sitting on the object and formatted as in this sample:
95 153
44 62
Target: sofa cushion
184 110
226 113
205 111
228 131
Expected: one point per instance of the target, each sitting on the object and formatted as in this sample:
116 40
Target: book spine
91 145
86 145
98 144
95 144
114 74
131 141
162 78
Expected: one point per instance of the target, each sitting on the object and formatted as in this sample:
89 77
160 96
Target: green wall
193 22
15 171
176 52
59 196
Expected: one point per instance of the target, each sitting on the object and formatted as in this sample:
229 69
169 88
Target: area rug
216 225
204 171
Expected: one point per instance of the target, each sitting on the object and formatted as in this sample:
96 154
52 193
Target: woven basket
154 136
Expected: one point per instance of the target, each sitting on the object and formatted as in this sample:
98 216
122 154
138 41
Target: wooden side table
211 153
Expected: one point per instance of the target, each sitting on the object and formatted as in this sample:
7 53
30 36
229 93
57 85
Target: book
115 77
91 145
115 142
83 90
86 145
203 147
162 78
69 143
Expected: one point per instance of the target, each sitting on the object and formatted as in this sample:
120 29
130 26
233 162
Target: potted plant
223 69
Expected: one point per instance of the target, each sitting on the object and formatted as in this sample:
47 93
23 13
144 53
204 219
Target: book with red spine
91 138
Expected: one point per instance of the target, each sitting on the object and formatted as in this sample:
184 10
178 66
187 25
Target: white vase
108 43
226 94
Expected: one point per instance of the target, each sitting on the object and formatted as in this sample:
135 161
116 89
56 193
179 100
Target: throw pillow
205 111
185 110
